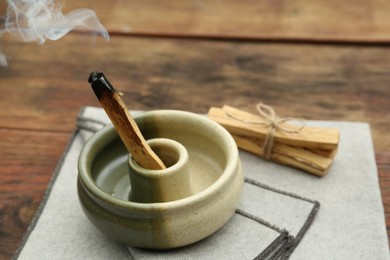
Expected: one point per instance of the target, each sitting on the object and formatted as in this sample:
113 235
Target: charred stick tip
100 84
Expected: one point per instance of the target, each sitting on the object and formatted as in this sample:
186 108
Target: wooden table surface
322 60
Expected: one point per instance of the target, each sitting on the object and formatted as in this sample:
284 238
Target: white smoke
3 60
41 20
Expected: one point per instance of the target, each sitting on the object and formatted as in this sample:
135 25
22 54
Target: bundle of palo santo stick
308 148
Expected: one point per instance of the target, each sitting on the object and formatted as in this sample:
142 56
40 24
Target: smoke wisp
41 20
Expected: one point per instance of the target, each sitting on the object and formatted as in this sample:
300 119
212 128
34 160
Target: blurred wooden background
322 60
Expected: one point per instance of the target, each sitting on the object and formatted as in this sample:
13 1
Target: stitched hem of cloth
293 243
46 195
283 246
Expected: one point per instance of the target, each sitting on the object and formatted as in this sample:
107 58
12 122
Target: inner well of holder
169 154
110 168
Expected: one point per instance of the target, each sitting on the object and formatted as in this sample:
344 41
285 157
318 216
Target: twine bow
274 122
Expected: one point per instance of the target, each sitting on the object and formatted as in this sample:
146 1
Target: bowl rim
108 133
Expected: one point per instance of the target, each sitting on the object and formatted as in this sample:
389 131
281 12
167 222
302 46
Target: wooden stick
255 145
125 125
308 137
296 157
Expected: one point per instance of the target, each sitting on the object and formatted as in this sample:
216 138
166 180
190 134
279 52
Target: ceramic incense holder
192 198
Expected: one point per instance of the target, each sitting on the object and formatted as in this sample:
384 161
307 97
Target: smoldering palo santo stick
125 125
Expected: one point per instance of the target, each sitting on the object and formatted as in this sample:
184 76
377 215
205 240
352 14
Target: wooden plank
44 87
27 161
314 82
332 20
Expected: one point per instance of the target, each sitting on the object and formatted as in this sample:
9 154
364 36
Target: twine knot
275 123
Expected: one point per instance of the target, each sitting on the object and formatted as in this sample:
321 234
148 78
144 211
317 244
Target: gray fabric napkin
269 223
248 235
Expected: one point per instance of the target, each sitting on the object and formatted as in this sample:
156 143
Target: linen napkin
271 222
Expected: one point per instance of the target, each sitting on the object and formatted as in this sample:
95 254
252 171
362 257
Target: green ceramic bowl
214 181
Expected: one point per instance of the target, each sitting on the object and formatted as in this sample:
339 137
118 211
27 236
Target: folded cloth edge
46 195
